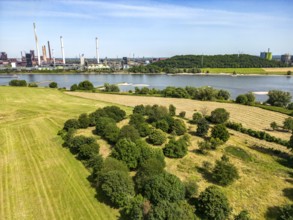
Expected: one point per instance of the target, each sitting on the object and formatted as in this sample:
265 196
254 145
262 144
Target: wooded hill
217 61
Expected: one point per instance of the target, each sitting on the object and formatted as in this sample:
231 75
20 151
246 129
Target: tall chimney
37 45
49 49
44 53
97 51
62 49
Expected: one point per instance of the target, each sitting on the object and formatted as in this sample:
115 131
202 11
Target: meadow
258 71
42 180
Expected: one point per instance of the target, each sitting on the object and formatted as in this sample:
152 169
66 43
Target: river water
234 84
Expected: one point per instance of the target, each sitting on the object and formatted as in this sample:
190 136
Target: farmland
40 179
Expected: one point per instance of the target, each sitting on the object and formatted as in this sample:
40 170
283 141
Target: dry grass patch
284 69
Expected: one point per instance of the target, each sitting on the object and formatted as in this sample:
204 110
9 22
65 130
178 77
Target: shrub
242 99
176 149
96 163
148 152
118 187
86 151
219 116
139 109
224 172
111 133
136 120
71 124
115 112
53 85
83 120
112 164
223 95
220 131
144 130
290 106
288 124
274 125
290 143
289 72
243 215
196 117
33 85
157 137
279 98
111 88
178 127
202 127
164 186
286 212
163 125
101 124
16 82
213 204
76 142
204 146
172 110
191 188
129 132
250 98
85 85
74 87
134 209
128 152
182 114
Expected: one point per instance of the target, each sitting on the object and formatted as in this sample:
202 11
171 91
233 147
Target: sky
147 28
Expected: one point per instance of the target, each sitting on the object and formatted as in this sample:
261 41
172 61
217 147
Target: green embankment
236 70
40 179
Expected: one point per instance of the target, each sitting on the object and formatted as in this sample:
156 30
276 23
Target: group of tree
280 99
287 125
111 88
84 85
16 82
246 99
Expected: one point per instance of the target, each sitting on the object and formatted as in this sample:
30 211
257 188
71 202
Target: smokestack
62 49
49 49
37 45
97 51
44 53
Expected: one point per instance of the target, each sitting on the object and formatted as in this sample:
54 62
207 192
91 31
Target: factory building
266 55
286 58
3 56
29 61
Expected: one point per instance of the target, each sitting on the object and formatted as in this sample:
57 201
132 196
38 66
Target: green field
40 179
259 71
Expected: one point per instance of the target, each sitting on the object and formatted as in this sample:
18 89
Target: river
234 84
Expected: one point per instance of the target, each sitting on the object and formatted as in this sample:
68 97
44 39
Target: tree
274 125
16 82
136 120
163 125
288 124
112 164
96 163
224 172
86 151
157 137
290 106
129 132
178 127
134 209
213 204
243 215
115 112
176 149
148 152
279 98
71 124
111 133
139 109
219 116
144 130
286 212
164 186
76 142
250 98
157 113
128 152
83 120
85 85
118 187
220 131
111 88
202 127
242 99
53 85
74 87
223 95
172 110
290 143
182 114
101 124
195 117
191 188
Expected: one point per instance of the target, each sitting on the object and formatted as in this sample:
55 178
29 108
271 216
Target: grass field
261 71
40 179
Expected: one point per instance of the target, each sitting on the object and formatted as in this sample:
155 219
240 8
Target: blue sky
148 28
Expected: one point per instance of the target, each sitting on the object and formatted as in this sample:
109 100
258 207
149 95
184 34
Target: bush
242 99
202 127
157 113
164 186
286 212
83 120
219 116
101 124
118 187
178 127
213 204
290 106
112 164
148 152
128 152
76 142
220 131
182 114
33 85
172 110
129 132
16 82
191 188
86 151
163 125
111 133
157 137
196 117
290 143
134 209
71 124
176 149
288 124
53 85
243 215
144 130
74 87
279 98
223 95
204 146
224 172
274 125
136 120
115 112
85 85
139 109
111 88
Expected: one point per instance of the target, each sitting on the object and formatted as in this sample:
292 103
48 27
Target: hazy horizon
148 28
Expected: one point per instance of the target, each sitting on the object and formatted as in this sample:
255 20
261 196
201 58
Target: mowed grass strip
40 179
250 117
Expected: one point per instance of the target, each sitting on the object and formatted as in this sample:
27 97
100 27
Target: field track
40 179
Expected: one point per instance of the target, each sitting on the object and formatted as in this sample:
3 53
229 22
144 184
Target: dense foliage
213 204
85 85
157 137
220 131
53 85
111 88
16 82
202 127
279 98
176 148
219 116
